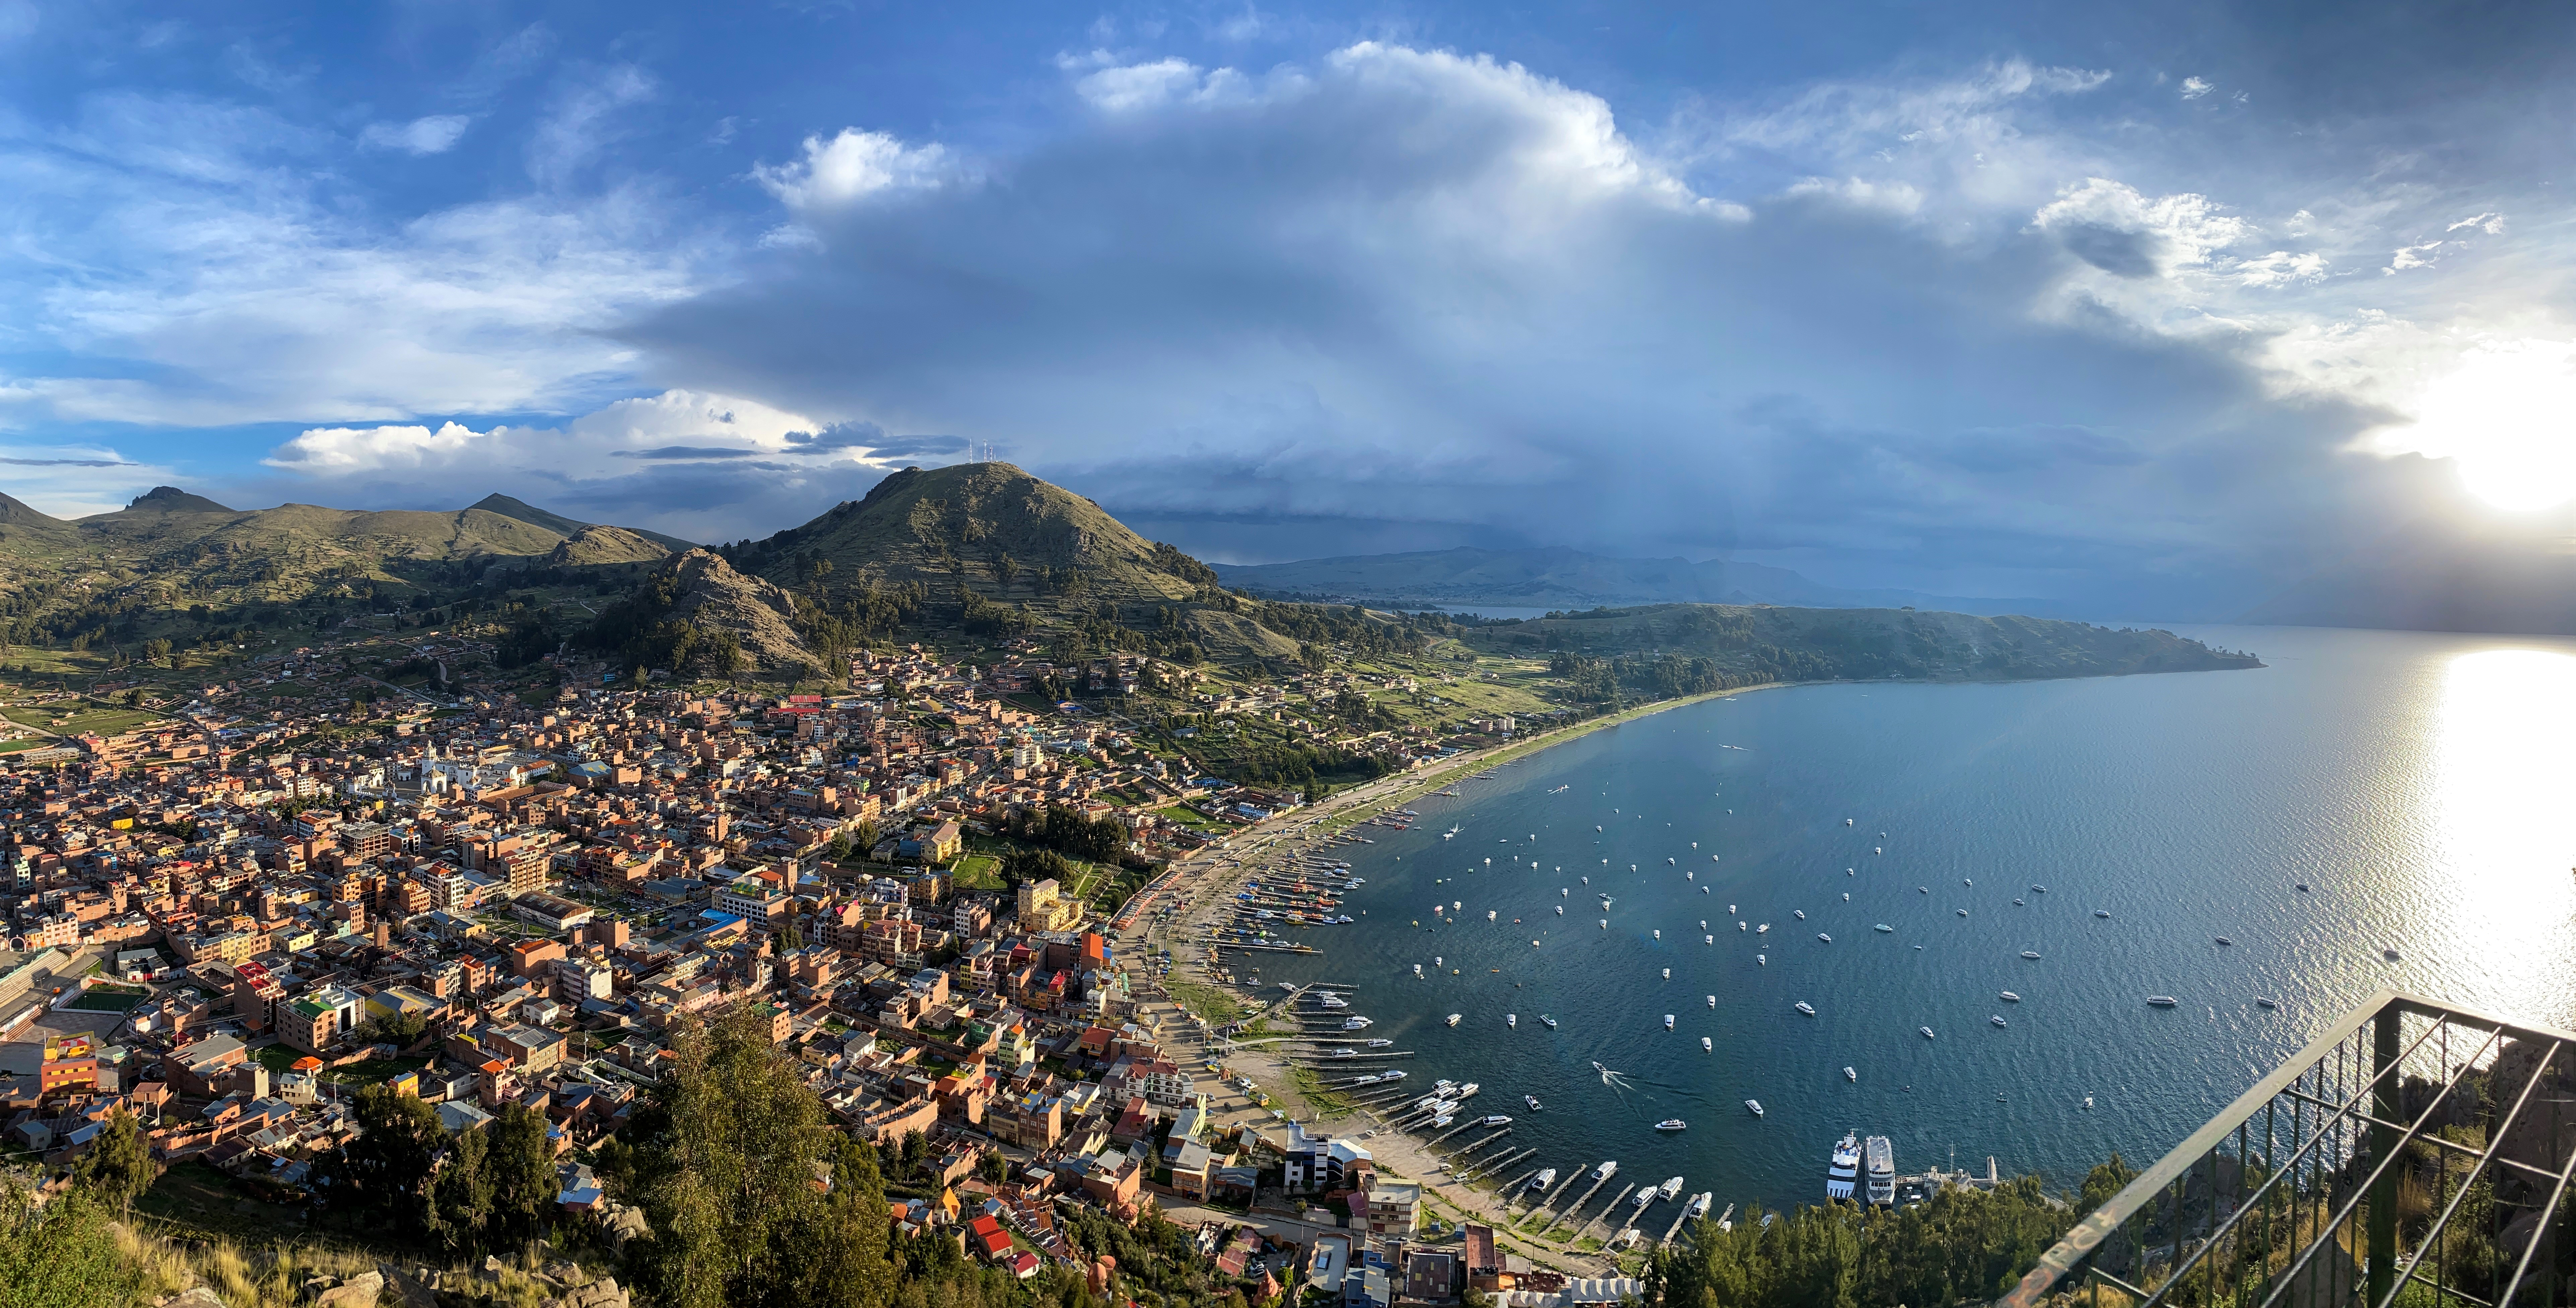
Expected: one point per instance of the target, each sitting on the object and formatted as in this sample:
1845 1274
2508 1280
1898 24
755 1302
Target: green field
107 999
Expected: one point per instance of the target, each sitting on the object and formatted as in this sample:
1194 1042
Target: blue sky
2156 307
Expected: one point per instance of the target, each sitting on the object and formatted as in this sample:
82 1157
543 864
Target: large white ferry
1842 1175
1880 1158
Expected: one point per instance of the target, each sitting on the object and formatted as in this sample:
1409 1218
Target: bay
2418 783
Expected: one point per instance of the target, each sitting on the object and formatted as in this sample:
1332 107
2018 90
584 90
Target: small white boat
1668 974
1673 1124
2101 912
2088 1103
1762 959
1850 1075
1532 1101
1560 910
1823 937
2011 998
1668 1021
1755 1105
1963 912
1801 913
2260 1002
2162 1001
1546 1021
1884 928
2030 953
1708 940
1997 1019
1605 924
1712 1001
2225 941
1706 1046
1659 933
1847 821
1451 1020
1804 1007
1512 1020
1927 1032
1494 1119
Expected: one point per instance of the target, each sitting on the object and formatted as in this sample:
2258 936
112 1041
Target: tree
729 1181
118 1167
382 1173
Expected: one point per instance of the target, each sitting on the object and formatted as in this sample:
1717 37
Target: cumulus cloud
852 167
2194 88
435 134
1405 286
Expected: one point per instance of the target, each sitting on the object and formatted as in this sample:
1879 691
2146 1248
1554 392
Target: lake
2418 783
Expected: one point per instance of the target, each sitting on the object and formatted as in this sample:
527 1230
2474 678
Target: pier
1606 1210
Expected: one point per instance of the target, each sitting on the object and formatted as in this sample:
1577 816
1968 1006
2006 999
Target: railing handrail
2097 1226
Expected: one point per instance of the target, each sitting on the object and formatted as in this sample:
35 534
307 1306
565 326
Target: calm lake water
2420 784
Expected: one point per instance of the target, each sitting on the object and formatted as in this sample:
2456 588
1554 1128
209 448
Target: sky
2153 308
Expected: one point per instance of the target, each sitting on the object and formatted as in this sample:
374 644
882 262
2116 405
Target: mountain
563 526
1557 577
26 524
171 499
1006 553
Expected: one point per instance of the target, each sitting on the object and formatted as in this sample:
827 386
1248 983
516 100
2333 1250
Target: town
228 918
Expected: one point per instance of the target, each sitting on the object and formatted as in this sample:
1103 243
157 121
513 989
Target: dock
1606 1210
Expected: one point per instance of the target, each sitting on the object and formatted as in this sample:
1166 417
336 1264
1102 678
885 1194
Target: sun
2507 419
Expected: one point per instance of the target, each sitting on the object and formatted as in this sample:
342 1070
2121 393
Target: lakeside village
229 917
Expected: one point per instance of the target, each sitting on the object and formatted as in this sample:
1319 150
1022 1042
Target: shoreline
1206 878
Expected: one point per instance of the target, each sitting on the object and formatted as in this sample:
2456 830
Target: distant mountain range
1557 577
2437 576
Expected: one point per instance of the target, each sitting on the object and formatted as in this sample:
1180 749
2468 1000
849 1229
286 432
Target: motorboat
1963 912
2162 1001
1804 1007
1379 1044
1397 1074
2260 1002
1671 1188
1850 1075
2225 941
1452 1020
1441 1121
1668 974
2101 912
1712 1001
1883 929
1512 1020
1605 1171
1707 1046
1755 1105
2011 998
1494 1119
2031 954
2039 890
1672 1124
1546 1021
1799 913
1763 959
1997 1019
1927 1032
1700 1203
1469 1090
1532 1101
1842 1170
1356 1023
1823 937
1668 1021
1546 1178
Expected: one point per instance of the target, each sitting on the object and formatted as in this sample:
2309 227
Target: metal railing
2415 1153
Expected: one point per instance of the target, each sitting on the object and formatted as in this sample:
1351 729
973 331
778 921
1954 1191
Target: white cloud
2193 88
2490 223
435 134
584 115
233 283
854 166
2128 234
675 426
2412 256
2279 268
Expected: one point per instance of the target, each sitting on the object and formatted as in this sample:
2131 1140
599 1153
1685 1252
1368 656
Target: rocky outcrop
595 545
714 598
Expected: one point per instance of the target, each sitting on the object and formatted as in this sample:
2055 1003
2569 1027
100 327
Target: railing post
2381 1247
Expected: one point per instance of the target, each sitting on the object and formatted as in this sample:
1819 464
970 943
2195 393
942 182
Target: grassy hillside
563 526
984 551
